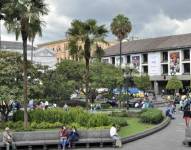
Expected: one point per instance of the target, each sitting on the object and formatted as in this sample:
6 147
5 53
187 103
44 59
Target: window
164 56
118 60
128 59
106 61
186 54
113 60
165 69
145 58
145 69
186 67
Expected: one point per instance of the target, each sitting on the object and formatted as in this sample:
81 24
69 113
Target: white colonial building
160 58
42 56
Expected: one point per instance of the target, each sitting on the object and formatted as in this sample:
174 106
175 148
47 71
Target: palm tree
19 14
75 50
87 34
35 28
120 27
99 52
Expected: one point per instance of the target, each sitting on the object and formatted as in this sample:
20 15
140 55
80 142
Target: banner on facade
174 62
154 67
135 60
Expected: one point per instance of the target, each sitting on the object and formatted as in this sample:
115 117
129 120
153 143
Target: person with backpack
187 112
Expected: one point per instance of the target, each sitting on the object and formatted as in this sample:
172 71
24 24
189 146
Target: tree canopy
70 76
142 82
174 84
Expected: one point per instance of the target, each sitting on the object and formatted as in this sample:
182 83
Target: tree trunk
25 88
32 50
120 51
87 59
87 83
0 33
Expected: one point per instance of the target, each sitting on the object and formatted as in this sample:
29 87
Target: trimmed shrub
119 121
105 106
119 114
153 116
44 119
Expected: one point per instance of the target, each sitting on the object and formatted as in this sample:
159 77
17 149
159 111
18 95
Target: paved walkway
169 138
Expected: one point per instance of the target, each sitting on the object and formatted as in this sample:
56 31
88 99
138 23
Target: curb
148 132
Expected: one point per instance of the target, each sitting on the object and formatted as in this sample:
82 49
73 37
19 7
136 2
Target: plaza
95 75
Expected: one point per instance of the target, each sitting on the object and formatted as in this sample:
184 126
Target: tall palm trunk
32 50
0 33
120 50
87 59
24 38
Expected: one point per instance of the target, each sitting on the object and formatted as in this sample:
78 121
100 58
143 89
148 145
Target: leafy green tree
174 84
61 83
10 81
18 16
142 82
105 76
120 27
87 34
69 76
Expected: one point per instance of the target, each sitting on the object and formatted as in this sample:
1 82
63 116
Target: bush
105 106
119 121
119 114
52 118
153 116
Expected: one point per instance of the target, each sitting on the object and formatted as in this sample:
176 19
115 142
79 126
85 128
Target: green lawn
135 126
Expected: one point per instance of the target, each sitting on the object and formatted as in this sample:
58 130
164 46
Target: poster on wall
154 67
136 62
174 62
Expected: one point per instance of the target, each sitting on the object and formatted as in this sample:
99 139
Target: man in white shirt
114 136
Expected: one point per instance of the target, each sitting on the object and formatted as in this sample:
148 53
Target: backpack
187 106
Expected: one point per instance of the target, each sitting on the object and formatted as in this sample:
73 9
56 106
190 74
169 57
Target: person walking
187 112
8 139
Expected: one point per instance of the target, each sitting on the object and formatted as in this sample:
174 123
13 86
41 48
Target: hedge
153 116
74 116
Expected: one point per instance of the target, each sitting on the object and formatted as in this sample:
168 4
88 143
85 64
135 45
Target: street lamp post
128 81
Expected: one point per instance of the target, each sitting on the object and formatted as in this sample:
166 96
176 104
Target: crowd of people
184 106
146 103
39 105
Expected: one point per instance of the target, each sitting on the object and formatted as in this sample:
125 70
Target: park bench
187 140
50 139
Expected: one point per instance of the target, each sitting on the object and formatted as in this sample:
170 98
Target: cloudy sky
150 18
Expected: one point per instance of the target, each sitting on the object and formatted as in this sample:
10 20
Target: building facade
160 58
61 49
42 56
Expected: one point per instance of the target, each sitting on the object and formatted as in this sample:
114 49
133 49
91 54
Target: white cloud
150 18
162 25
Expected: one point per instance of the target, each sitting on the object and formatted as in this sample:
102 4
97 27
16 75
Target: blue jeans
63 142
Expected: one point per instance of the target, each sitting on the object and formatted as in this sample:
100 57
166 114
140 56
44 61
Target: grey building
160 58
43 56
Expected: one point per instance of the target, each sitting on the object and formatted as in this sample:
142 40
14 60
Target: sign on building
154 63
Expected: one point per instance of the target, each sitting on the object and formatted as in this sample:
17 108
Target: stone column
156 88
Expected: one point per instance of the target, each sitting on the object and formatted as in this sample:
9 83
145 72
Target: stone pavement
169 138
